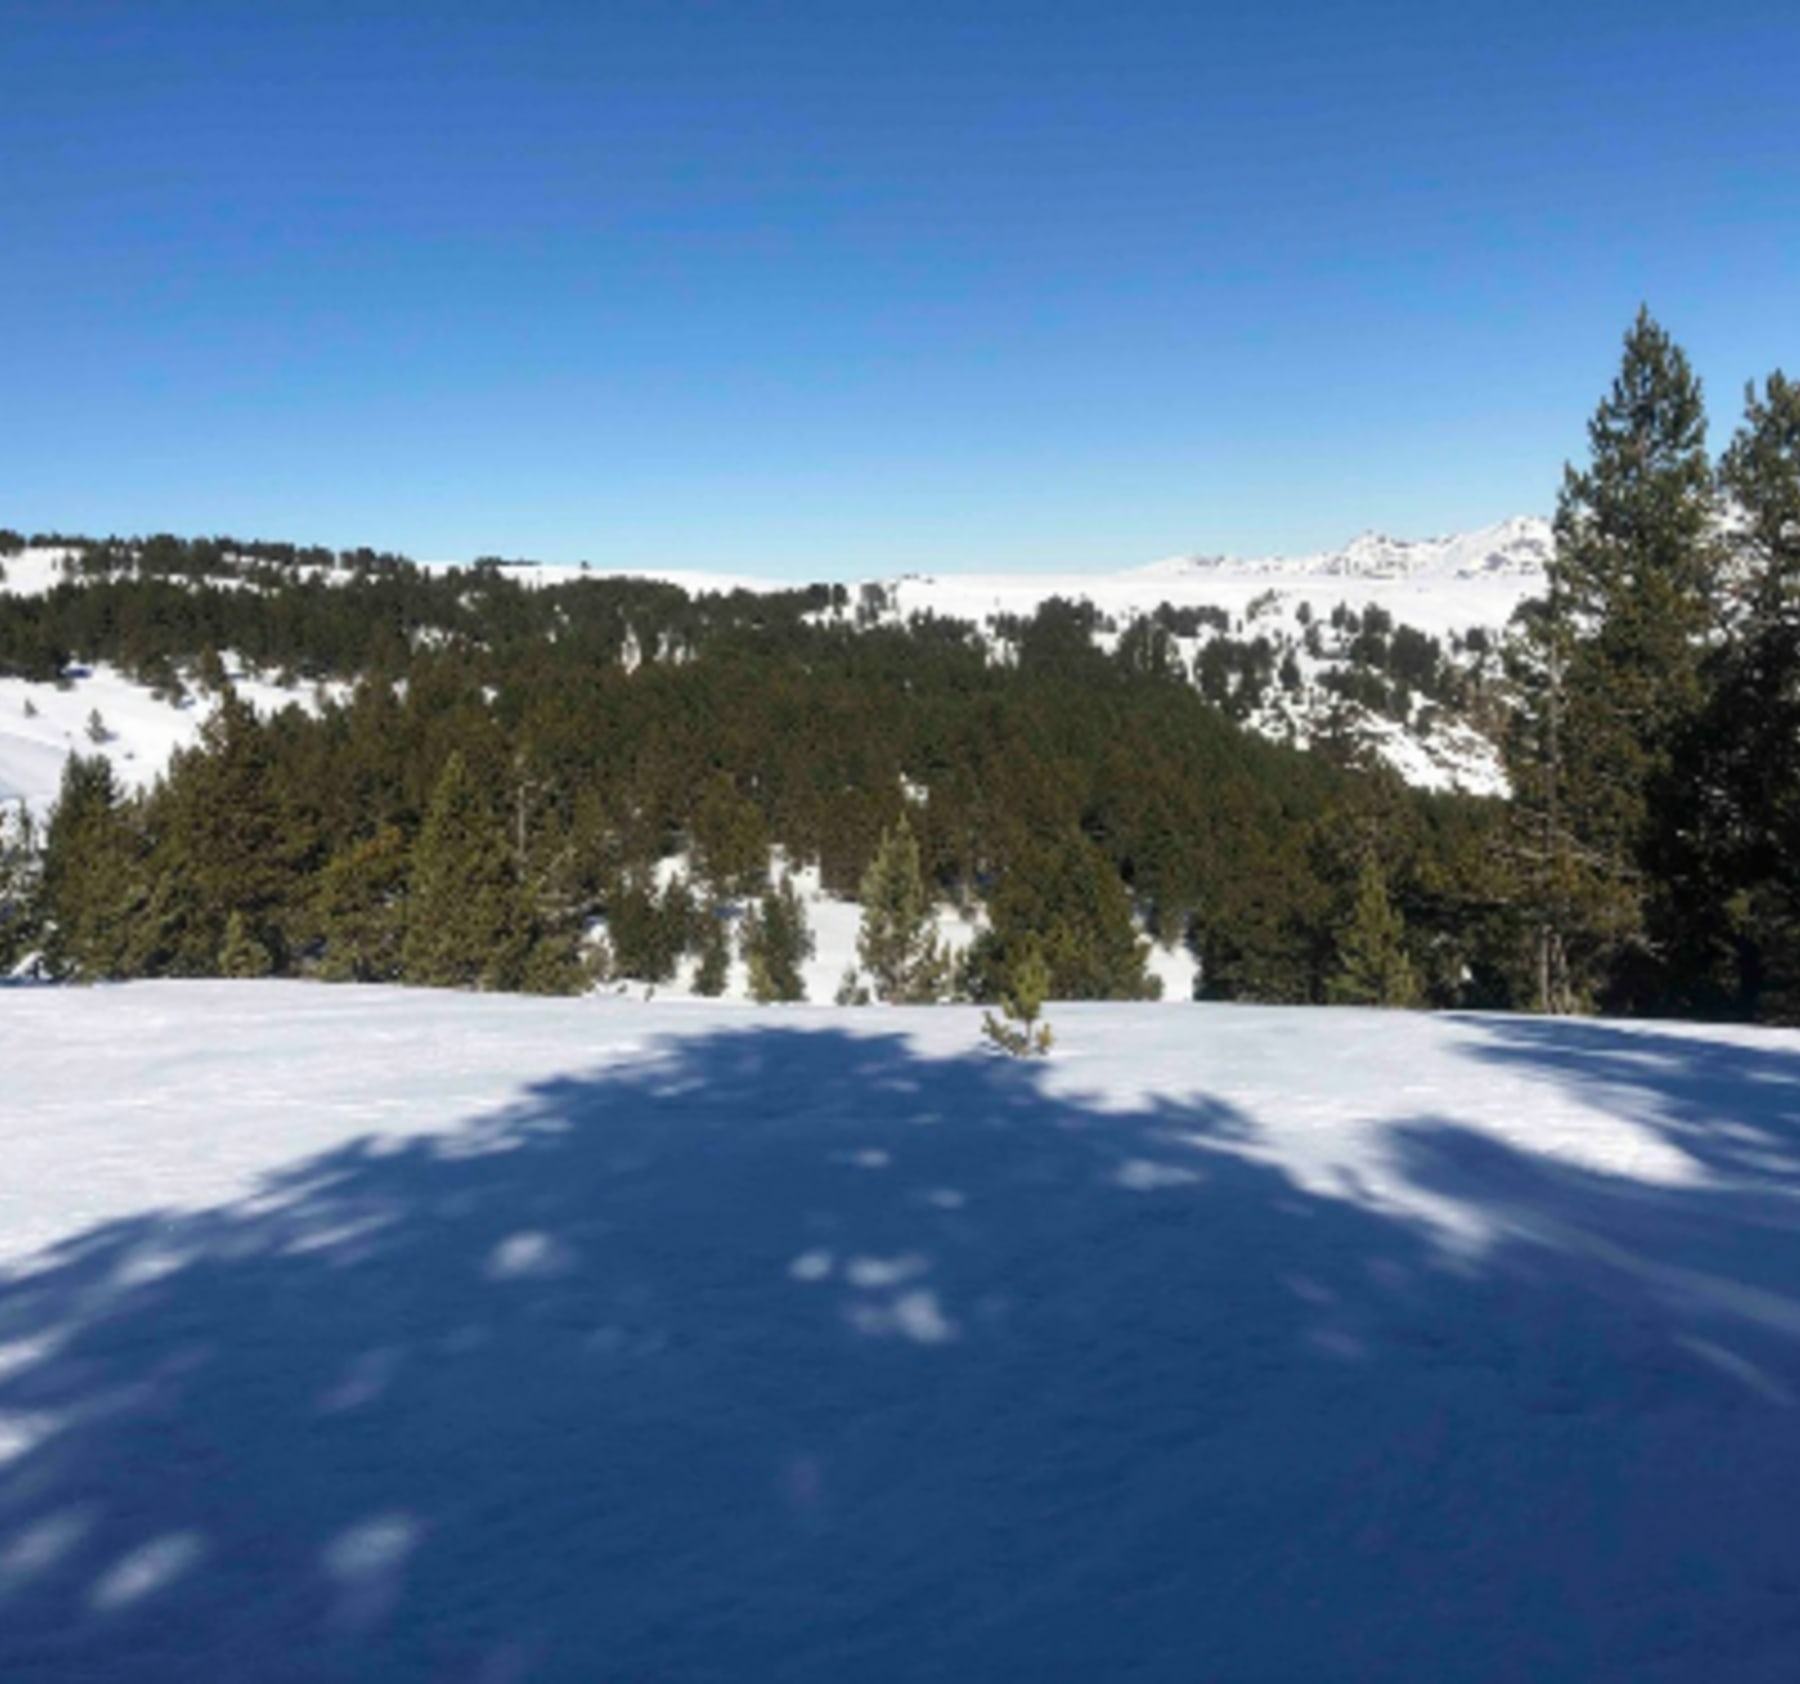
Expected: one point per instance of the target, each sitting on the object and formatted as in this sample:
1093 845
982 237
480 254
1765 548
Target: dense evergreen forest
492 765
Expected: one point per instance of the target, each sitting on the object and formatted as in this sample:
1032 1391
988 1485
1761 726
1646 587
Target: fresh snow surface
369 1334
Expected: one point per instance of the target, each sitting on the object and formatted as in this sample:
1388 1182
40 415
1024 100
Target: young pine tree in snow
1017 1030
897 945
714 942
776 943
1064 897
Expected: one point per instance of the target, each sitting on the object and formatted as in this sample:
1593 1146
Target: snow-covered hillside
1446 588
358 1333
101 711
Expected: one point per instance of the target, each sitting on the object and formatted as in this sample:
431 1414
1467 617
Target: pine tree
897 945
226 842
714 969
1017 1030
359 909
468 921
1065 897
21 885
776 943
92 872
241 954
1615 653
730 838
1731 816
649 931
1373 968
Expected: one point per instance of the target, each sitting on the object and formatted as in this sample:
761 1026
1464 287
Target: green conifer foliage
21 885
359 909
897 945
1065 898
226 842
1373 968
1017 1030
1613 657
92 877
468 921
715 951
776 943
241 954
1731 814
730 838
649 931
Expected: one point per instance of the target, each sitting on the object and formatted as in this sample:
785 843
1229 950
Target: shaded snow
359 1333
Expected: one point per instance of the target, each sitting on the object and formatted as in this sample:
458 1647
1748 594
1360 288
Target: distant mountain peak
1518 546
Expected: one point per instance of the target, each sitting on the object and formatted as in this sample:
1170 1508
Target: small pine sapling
1017 1030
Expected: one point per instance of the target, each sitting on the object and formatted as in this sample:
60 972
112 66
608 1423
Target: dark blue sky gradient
837 289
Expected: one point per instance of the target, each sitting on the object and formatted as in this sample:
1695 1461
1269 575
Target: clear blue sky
836 289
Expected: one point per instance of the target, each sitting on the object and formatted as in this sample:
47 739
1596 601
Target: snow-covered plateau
354 1333
1436 585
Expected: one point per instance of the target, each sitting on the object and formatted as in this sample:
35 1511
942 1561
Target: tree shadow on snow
798 1355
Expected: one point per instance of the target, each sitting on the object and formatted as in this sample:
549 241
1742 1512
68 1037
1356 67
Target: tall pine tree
1731 820
1614 655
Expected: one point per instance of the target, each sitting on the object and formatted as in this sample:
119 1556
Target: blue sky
824 290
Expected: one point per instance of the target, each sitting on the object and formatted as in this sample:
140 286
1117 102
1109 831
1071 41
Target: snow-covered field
360 1333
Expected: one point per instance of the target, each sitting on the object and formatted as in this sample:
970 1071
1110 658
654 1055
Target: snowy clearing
363 1333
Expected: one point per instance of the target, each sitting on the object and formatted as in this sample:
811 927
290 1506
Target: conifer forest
493 767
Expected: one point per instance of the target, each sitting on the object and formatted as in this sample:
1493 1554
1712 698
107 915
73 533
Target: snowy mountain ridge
1520 547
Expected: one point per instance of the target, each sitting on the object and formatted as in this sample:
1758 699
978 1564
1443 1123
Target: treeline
306 614
1078 796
